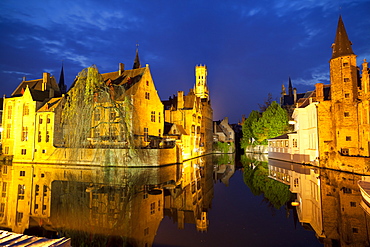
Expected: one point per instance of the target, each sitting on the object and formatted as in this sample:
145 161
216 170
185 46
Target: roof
51 105
35 85
285 136
342 45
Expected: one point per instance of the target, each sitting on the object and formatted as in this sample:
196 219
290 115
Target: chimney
121 68
319 92
295 95
180 99
365 77
45 81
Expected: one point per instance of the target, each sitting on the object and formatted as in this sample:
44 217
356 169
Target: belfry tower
201 88
344 92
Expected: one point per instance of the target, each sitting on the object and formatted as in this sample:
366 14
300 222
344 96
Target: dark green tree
247 128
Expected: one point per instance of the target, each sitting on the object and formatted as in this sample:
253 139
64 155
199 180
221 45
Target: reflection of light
1 129
295 204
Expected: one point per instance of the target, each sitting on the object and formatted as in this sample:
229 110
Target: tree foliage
272 123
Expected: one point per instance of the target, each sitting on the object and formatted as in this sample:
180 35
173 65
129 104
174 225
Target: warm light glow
295 204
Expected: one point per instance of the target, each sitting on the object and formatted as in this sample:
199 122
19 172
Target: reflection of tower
201 88
202 223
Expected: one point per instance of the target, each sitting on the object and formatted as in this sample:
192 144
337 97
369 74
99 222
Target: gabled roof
342 45
35 85
51 105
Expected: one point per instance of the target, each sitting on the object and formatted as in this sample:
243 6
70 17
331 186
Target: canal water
215 200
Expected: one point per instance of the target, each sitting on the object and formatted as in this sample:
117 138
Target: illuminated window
26 110
3 190
146 134
24 134
10 111
8 128
21 189
22 173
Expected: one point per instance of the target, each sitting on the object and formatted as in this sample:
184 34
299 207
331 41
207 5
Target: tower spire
342 45
61 84
290 87
137 60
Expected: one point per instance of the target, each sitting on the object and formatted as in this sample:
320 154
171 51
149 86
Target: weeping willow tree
98 115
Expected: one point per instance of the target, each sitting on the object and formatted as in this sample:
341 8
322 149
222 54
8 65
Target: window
10 112
159 117
96 132
47 137
21 189
146 134
39 137
8 128
22 173
355 230
345 151
147 83
45 190
19 217
353 204
6 150
346 95
147 95
3 190
112 115
26 110
152 117
347 190
40 120
48 119
97 115
348 138
5 169
37 189
2 209
23 151
24 134
346 79
152 208
146 231
159 132
346 114
345 64
295 143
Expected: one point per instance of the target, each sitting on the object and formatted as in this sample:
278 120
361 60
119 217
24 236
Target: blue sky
250 47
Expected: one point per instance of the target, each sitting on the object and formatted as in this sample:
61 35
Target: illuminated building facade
332 123
34 131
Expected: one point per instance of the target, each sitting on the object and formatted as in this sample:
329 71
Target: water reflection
112 206
328 202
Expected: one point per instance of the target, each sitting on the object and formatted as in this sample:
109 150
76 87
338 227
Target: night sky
250 47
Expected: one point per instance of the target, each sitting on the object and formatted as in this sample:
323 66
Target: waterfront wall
259 149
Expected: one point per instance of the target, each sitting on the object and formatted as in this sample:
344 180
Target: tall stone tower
344 93
201 88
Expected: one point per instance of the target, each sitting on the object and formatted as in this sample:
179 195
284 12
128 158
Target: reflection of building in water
223 171
345 222
305 183
82 200
329 203
190 199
